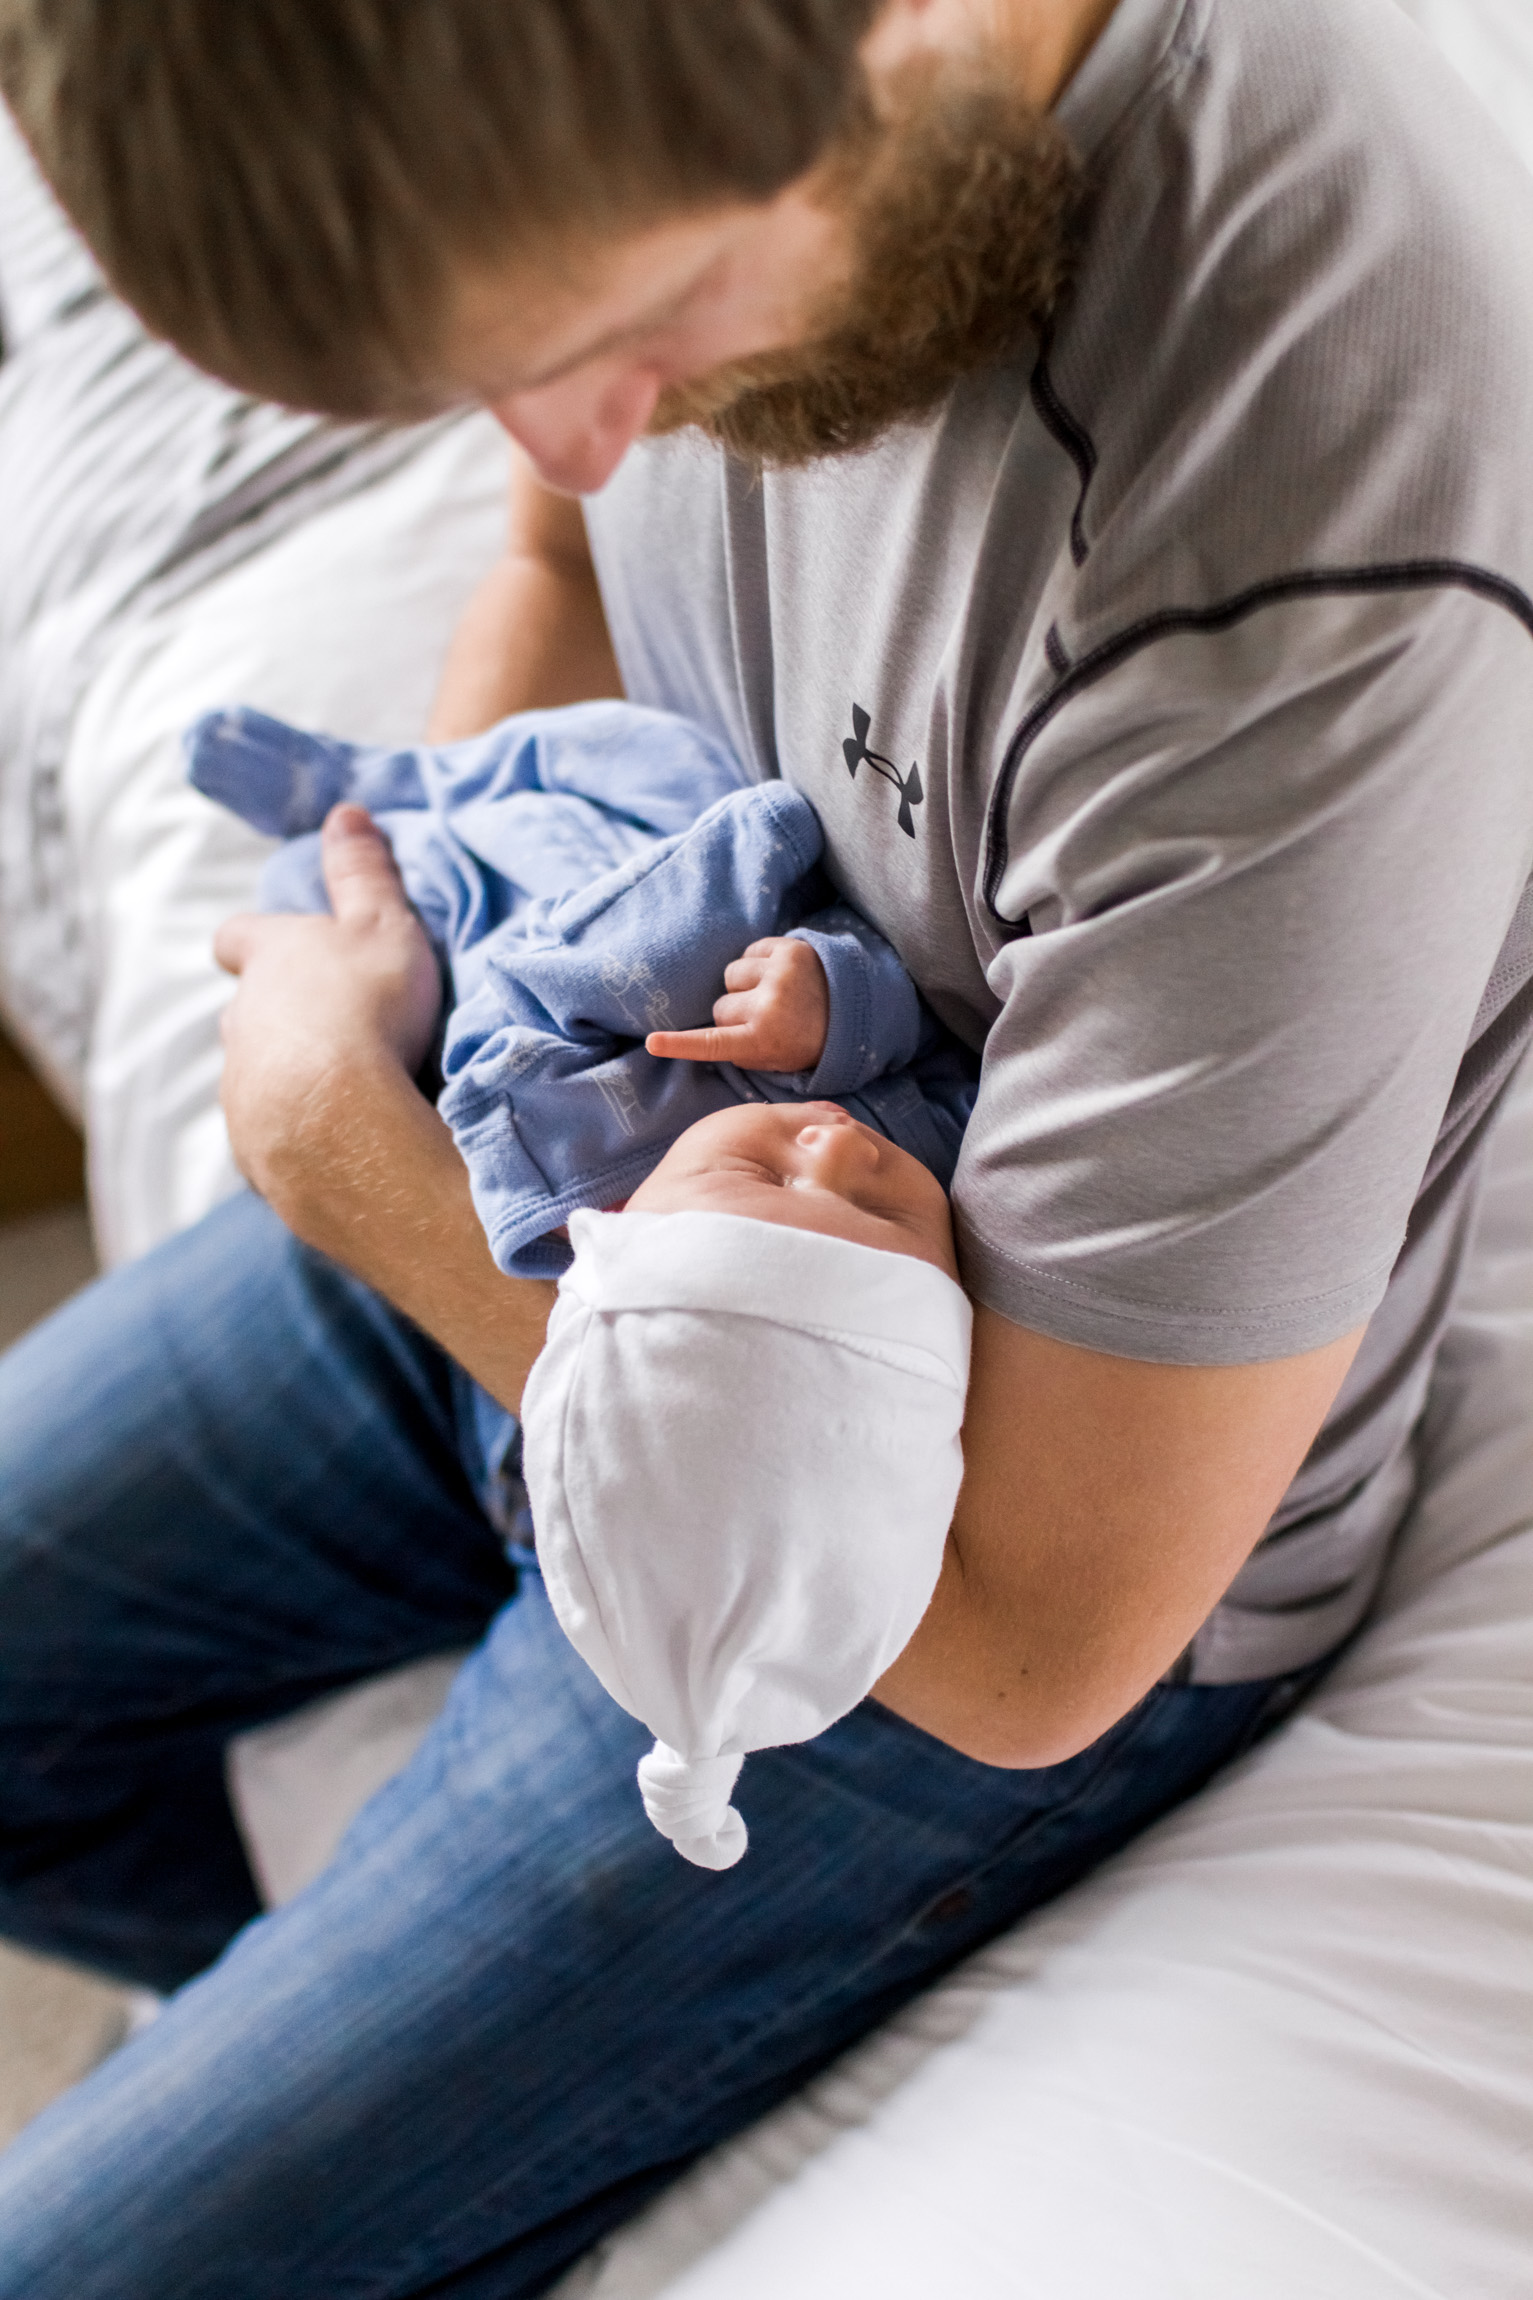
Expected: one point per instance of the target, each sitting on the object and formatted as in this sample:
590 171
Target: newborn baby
590 878
742 1442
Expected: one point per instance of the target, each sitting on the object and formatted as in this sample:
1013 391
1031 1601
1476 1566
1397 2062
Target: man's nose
576 432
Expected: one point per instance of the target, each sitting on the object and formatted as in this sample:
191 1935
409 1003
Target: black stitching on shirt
1077 443
1057 652
1176 622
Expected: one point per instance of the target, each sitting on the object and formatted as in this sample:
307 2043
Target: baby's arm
829 1005
774 1014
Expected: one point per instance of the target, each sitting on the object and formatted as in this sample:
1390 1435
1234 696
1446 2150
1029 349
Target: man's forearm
534 635
531 638
1107 1505
386 1193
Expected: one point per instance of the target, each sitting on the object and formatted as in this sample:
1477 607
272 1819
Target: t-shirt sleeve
1265 871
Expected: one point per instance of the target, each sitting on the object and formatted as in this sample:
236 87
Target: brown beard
964 206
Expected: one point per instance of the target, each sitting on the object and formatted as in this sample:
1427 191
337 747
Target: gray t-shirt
1168 703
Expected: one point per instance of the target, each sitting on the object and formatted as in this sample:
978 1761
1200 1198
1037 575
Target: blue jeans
508 2013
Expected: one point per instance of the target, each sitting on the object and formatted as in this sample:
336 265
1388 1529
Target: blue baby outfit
585 876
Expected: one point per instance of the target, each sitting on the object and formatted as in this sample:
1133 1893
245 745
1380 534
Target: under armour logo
855 751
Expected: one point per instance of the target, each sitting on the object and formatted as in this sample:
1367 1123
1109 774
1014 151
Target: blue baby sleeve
875 1013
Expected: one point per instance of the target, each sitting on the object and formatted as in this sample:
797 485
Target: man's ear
1045 40
905 28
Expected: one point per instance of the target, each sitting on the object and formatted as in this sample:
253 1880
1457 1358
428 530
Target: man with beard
1079 457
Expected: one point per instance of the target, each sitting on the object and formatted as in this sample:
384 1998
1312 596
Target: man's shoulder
1301 334
1302 126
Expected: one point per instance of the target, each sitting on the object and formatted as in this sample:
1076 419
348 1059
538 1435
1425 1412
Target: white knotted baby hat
742 1454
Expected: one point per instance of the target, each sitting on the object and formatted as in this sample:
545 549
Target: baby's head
742 1442
811 1166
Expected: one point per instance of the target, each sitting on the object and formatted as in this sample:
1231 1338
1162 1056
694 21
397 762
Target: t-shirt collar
1126 56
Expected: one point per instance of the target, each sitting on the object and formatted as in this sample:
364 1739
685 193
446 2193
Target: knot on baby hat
687 1799
742 1453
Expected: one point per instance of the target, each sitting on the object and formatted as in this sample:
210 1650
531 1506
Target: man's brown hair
283 187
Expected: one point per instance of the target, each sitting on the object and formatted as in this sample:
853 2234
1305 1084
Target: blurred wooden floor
42 1159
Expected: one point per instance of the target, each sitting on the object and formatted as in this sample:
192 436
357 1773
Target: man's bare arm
534 634
1106 1507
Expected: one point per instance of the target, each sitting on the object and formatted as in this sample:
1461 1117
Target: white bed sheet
129 483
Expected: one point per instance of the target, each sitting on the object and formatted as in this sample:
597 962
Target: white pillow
340 625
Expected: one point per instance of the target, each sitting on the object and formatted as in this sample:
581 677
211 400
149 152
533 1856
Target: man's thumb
360 872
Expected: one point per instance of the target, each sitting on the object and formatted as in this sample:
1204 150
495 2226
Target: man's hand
322 1002
774 1015
330 1023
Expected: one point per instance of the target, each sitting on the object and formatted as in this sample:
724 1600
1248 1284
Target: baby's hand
773 1016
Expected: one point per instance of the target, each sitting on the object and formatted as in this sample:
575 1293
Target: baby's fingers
746 971
732 1037
736 1010
710 1045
